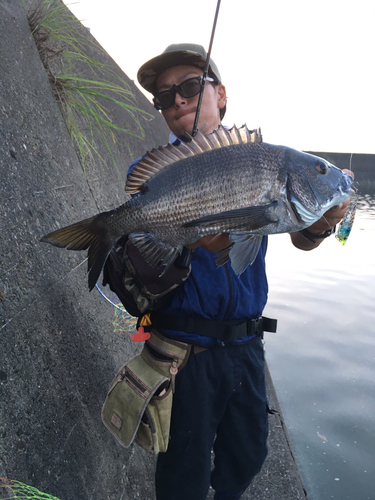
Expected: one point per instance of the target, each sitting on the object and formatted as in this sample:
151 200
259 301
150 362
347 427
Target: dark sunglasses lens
191 87
164 100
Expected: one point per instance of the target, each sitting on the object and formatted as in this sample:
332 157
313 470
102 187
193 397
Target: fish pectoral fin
244 250
155 252
241 219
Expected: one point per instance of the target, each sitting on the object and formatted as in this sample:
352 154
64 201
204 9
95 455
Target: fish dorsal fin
158 159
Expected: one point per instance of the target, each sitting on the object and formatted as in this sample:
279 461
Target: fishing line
350 162
205 71
122 309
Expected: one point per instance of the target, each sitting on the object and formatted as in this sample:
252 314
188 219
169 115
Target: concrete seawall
59 349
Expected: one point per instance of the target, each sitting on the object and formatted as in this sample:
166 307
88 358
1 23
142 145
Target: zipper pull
173 371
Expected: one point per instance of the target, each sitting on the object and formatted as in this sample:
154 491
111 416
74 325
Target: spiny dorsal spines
158 159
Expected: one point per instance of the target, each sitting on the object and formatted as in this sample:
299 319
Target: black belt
223 330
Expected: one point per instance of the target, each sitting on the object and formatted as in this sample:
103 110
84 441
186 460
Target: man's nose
178 99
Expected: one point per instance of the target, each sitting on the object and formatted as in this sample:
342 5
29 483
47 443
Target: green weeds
84 87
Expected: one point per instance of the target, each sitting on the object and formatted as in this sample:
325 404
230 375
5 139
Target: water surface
322 359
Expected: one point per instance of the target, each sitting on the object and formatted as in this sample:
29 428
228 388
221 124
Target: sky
303 71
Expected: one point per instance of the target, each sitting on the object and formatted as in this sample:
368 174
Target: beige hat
177 54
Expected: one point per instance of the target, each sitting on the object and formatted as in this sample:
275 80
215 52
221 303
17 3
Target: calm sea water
322 359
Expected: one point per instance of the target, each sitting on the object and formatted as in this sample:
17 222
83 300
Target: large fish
226 182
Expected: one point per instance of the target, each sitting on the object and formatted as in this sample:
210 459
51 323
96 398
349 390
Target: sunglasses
188 88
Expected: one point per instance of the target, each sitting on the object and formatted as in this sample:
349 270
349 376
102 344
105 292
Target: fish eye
321 167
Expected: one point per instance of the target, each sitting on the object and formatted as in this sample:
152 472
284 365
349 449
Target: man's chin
185 124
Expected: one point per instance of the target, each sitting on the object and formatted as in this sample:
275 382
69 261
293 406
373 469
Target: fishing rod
205 71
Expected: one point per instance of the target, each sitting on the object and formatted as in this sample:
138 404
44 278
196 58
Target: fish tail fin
91 234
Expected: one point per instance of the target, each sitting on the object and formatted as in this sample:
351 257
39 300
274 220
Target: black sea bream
226 182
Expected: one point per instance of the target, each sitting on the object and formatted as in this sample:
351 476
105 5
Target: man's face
181 115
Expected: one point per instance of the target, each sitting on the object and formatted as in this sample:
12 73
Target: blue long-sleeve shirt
217 293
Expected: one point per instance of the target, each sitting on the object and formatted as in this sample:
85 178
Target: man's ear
222 94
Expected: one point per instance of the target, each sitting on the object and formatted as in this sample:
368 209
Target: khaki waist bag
139 402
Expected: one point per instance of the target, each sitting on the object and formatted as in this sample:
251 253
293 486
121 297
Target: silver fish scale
216 181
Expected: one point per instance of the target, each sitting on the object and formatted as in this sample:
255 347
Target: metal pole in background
205 71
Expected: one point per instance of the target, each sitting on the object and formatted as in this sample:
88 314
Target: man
220 398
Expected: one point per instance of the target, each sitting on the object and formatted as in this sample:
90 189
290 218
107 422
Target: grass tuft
82 85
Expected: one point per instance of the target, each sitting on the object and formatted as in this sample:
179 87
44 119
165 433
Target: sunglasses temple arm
205 72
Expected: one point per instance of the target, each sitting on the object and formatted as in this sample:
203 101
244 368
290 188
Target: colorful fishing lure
346 224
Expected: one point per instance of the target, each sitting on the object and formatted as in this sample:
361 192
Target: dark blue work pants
220 403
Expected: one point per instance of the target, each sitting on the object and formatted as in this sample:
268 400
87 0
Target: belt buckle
254 325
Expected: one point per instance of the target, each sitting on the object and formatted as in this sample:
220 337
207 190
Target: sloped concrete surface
59 348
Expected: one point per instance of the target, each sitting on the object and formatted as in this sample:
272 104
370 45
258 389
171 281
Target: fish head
314 185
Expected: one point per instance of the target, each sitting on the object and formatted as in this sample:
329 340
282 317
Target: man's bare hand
212 243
